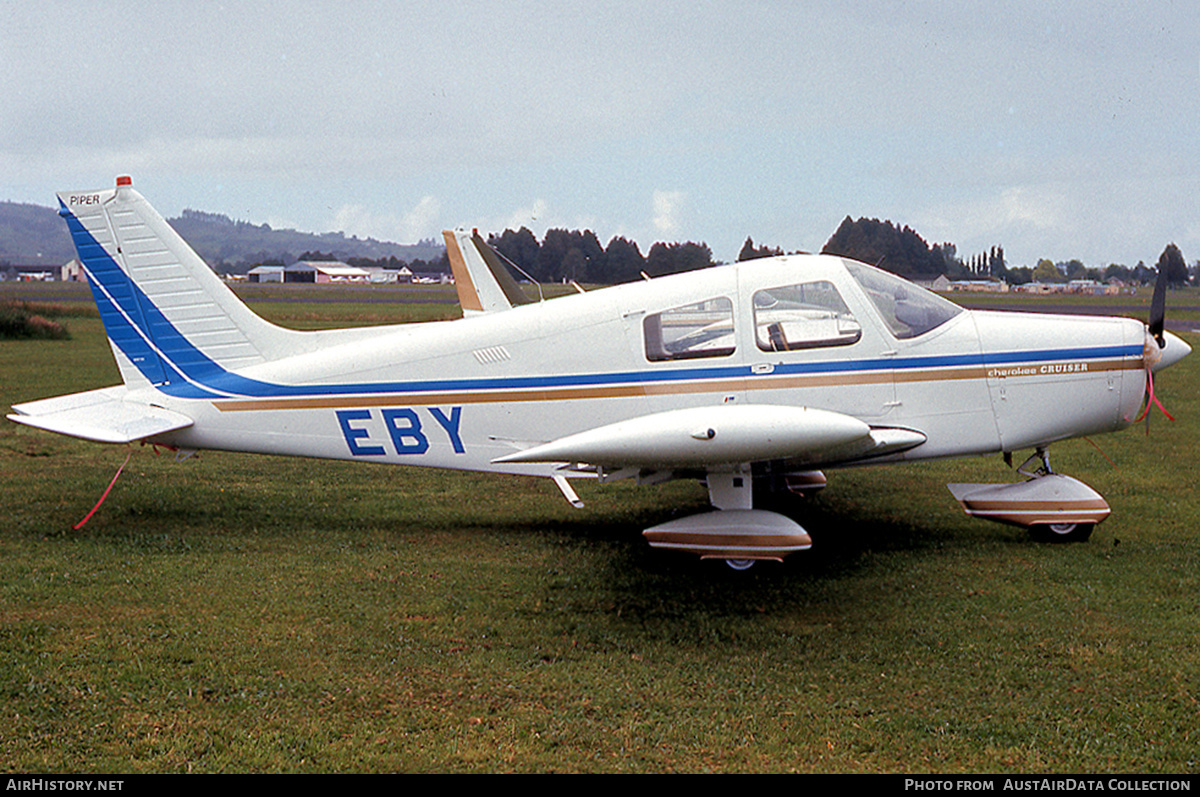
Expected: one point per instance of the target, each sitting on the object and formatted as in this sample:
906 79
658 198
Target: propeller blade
1158 308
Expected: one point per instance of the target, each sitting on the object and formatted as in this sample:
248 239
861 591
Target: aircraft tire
1062 532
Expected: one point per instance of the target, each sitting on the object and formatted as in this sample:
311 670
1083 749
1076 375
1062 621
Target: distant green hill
35 235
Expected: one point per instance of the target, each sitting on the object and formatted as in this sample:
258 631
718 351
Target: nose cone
1172 351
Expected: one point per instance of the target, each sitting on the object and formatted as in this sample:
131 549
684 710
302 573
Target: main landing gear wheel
740 564
1062 532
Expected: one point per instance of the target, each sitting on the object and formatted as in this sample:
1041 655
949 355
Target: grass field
233 613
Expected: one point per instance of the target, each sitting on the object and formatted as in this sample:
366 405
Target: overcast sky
1061 130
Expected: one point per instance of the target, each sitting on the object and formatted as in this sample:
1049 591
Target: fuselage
804 331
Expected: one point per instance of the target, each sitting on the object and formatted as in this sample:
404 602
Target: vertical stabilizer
169 318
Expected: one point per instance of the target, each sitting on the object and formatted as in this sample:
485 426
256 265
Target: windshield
907 309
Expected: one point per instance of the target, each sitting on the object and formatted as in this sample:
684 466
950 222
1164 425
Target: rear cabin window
811 315
702 329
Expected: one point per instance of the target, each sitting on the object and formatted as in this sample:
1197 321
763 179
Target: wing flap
101 416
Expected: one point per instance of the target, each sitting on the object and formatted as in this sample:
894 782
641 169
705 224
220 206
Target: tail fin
169 318
480 274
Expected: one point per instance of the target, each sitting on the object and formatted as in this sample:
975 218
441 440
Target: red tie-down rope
1152 400
79 525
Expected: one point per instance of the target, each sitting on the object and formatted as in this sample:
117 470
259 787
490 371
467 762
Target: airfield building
325 272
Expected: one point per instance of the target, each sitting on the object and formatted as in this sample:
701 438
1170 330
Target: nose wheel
1061 532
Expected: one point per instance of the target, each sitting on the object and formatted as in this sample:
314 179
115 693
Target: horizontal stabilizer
714 435
101 416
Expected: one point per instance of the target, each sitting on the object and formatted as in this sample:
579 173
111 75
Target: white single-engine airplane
771 369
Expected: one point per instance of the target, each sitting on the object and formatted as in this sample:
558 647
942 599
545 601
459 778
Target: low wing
721 435
102 416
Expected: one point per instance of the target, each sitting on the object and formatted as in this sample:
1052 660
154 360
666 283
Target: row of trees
898 249
1170 263
902 251
578 255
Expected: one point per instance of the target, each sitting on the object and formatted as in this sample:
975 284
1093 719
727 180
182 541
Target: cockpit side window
810 315
701 329
907 309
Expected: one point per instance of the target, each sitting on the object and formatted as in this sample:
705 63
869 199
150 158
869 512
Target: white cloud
420 222
281 223
354 220
1042 207
537 217
1028 220
667 207
534 217
1098 221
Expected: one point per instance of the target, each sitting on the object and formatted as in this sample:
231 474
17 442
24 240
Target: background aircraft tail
169 318
481 274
